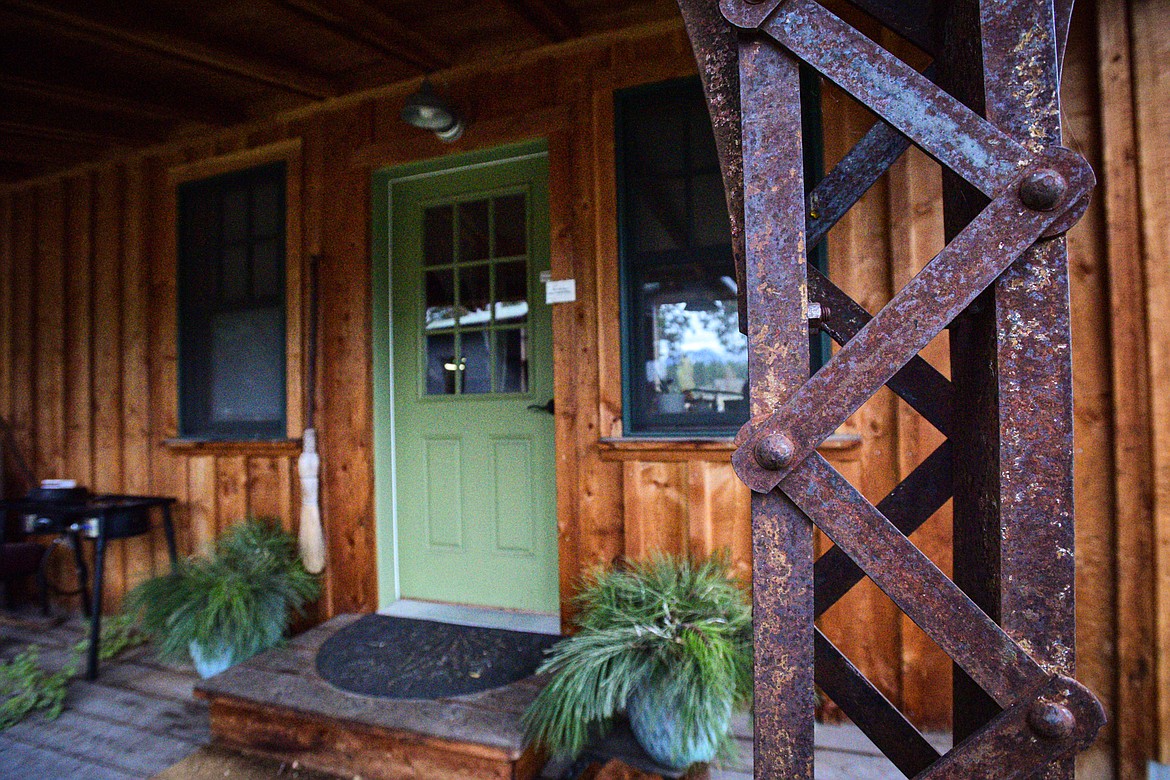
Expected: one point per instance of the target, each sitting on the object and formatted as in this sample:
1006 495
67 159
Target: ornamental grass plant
663 630
238 601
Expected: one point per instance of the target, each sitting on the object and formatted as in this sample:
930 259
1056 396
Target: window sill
272 448
695 448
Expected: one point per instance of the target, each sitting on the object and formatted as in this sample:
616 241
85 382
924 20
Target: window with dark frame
684 361
231 305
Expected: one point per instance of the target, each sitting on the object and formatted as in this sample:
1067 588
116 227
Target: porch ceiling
83 79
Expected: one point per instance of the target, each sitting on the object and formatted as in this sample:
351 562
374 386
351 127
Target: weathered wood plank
22 334
346 424
49 296
656 508
20 760
7 270
79 461
168 474
139 551
102 743
202 493
1151 85
1136 738
107 357
231 491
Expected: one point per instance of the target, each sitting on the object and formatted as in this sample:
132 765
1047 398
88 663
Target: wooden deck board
140 718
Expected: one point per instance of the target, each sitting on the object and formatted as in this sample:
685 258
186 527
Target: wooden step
277 705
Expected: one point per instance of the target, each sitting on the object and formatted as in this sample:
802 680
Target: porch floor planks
138 718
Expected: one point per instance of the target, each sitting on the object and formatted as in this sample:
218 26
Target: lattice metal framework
987 110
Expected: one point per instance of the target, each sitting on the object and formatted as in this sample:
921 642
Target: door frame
384 455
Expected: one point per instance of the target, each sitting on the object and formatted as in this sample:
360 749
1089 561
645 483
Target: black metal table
100 518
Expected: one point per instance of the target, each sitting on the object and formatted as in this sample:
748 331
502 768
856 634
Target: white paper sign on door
560 291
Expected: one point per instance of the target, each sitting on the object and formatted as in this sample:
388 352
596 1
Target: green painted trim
383 396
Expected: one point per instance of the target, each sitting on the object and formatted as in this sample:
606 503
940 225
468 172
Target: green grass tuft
680 624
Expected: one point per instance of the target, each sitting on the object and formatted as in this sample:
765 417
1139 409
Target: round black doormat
400 658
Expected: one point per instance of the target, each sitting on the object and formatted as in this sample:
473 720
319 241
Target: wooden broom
311 535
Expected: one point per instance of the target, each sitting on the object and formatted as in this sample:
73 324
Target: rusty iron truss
987 110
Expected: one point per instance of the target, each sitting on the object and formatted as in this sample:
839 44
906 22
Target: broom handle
310 534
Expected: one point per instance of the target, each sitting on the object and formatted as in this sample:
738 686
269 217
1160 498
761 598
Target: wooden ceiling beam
363 23
181 110
51 134
136 38
555 20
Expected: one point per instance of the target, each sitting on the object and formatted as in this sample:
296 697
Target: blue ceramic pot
653 714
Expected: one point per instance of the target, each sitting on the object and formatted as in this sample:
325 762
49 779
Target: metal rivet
1041 190
775 451
1051 721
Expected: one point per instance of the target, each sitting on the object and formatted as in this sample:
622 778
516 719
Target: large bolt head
1042 189
1049 720
775 452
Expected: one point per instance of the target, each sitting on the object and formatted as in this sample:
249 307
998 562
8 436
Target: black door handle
549 407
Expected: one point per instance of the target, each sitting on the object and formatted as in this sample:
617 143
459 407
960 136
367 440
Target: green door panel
465 469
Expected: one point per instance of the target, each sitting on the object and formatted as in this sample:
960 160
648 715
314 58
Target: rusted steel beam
716 47
871 711
907 506
1033 362
940 125
912 581
851 178
1052 724
782 540
915 315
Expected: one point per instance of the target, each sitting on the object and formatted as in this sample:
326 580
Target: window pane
235 216
512 292
235 274
660 214
267 215
268 269
247 358
475 346
710 225
511 218
699 363
474 295
656 137
473 231
438 235
512 361
443 371
440 299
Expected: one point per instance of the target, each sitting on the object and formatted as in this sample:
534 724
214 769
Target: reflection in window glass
685 359
473 230
474 295
444 372
475 350
511 222
475 299
438 235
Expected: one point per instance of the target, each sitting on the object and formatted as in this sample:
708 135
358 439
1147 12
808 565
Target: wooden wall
87 348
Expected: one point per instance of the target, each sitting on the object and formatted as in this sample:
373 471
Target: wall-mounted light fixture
427 111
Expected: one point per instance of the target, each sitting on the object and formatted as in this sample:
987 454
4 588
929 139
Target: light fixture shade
427 111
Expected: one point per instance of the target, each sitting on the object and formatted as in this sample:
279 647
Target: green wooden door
474 480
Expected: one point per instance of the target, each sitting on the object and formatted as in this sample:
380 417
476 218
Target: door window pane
512 361
479 300
475 349
511 221
444 374
473 231
438 235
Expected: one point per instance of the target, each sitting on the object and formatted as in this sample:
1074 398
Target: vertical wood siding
88 349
